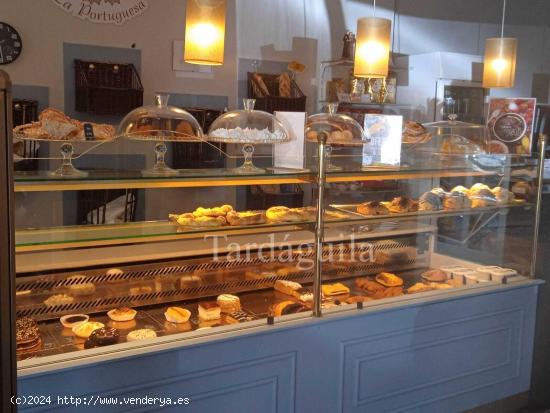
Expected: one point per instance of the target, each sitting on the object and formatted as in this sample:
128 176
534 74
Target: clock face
10 44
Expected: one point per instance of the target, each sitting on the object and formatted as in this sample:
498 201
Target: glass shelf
105 179
100 235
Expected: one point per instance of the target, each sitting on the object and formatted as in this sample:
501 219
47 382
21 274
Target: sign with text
382 147
510 124
103 11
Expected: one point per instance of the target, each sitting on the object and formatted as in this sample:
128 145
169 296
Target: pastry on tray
246 218
419 288
190 220
239 317
27 335
503 195
434 276
72 320
141 334
403 204
457 200
122 314
58 299
287 307
388 279
285 214
104 336
387 292
334 289
287 287
221 211
430 201
209 310
373 208
84 330
357 298
475 188
368 285
461 189
54 124
177 315
482 198
415 133
228 303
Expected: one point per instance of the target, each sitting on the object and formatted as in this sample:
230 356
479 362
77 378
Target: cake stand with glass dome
160 123
340 130
248 127
67 151
327 129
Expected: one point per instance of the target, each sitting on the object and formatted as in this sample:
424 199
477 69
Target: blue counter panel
427 357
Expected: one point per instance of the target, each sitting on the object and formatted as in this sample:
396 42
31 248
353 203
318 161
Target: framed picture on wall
510 123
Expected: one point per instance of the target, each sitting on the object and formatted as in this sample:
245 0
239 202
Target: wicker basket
274 102
107 88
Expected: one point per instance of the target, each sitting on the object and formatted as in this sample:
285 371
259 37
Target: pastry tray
352 210
149 284
59 340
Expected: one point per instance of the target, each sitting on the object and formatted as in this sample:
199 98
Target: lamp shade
205 32
372 51
499 69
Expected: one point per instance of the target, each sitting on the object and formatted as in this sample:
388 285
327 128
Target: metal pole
320 228
7 252
538 206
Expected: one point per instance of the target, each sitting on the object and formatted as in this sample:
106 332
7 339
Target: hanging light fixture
499 69
372 51
205 32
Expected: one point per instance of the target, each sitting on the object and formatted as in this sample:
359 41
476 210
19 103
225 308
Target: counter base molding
431 355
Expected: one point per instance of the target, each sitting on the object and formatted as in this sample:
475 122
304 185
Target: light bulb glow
372 51
499 70
204 35
499 65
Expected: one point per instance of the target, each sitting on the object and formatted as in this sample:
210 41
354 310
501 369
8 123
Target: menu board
510 123
382 146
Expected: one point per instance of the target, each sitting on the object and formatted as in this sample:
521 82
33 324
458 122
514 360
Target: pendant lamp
499 69
205 32
372 52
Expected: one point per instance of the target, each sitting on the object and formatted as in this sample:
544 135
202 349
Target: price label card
89 132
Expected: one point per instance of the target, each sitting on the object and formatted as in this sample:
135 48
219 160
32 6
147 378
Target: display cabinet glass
157 259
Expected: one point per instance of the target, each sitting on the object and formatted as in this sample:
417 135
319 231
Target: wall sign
103 11
511 125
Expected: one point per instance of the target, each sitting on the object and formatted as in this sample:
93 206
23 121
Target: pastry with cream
209 310
228 303
141 334
177 315
122 314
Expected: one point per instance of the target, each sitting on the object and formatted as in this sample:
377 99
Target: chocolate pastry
241 316
293 309
104 336
26 330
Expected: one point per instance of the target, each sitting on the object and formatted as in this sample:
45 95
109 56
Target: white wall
44 28
268 23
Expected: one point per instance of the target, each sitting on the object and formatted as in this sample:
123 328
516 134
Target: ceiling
518 12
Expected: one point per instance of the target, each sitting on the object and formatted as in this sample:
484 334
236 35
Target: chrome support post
538 206
320 227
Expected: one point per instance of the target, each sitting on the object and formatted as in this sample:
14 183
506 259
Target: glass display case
195 261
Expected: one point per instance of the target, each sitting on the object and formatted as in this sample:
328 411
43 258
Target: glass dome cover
340 129
248 126
160 122
453 137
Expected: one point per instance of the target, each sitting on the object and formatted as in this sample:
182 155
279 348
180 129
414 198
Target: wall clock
10 44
